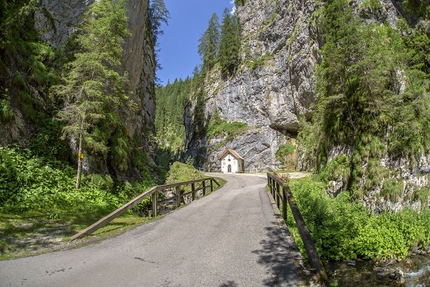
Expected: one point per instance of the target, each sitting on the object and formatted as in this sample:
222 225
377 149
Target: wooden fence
179 195
282 194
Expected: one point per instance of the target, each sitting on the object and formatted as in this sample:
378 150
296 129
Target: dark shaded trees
93 90
209 43
229 47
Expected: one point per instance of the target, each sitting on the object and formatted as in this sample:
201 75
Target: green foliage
6 113
262 61
209 42
286 155
285 150
418 8
26 64
229 46
41 184
169 117
239 2
373 99
183 172
158 14
389 235
199 120
45 142
342 229
218 127
337 168
94 91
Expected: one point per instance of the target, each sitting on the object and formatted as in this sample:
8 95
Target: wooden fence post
204 187
154 204
178 195
284 203
274 189
193 189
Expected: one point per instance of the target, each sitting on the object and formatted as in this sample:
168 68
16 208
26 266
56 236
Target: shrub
342 229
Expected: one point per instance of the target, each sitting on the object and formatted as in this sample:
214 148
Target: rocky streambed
413 271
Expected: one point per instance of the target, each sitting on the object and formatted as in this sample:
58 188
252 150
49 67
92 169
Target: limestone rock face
259 155
139 63
57 20
274 84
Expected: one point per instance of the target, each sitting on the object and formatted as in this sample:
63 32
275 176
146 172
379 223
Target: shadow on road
229 284
279 258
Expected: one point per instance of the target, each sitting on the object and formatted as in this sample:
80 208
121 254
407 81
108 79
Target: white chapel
231 162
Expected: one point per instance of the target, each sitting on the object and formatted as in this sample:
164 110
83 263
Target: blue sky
188 21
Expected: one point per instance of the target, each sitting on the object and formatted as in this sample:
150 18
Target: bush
44 185
342 229
182 172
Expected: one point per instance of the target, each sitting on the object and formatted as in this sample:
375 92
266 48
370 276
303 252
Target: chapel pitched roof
232 152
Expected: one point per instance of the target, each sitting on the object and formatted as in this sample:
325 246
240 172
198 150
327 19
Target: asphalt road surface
229 238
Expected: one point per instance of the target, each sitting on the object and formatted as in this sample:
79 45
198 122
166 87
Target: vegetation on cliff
373 101
76 90
219 50
94 92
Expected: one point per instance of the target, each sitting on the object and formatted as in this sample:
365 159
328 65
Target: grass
32 234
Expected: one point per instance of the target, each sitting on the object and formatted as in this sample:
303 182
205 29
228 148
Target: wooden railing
179 195
282 194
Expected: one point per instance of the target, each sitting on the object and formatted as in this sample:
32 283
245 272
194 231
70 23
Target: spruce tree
93 89
229 47
208 46
158 14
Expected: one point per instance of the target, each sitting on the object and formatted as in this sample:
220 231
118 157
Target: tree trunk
78 175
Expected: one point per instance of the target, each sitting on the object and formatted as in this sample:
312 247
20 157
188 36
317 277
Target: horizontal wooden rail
180 193
282 194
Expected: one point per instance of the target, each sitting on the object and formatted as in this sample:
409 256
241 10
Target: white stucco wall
227 160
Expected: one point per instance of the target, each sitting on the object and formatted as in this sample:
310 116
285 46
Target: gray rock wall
274 84
281 38
57 20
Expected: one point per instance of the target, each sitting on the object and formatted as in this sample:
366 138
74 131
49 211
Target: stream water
413 271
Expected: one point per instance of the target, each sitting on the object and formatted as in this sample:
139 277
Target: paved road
229 238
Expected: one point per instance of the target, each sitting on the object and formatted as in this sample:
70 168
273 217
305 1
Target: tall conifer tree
229 47
208 47
93 89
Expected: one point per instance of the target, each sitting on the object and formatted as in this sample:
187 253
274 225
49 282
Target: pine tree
208 46
92 88
158 14
229 47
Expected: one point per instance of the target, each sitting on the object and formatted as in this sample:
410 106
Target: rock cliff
56 21
274 84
